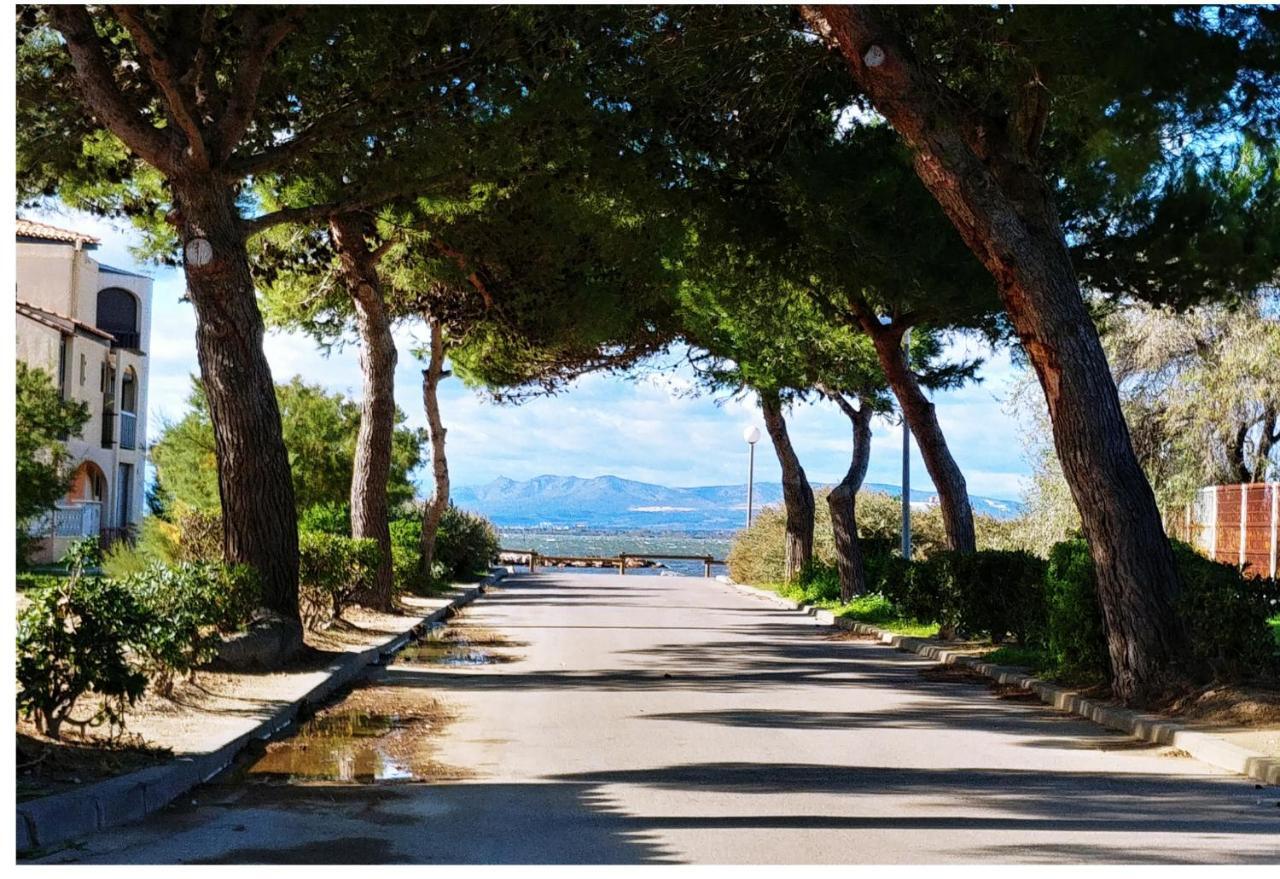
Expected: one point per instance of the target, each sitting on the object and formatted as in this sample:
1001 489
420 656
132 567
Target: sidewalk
208 721
1252 752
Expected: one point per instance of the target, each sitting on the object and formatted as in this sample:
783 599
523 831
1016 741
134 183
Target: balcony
69 520
128 430
132 341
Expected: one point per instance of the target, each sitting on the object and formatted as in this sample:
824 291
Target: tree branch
251 65
323 210
344 120
839 399
160 67
100 94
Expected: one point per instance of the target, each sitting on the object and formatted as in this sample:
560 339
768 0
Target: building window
128 409
82 369
108 384
64 367
118 315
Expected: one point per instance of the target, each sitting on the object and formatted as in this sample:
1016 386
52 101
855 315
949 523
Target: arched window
118 315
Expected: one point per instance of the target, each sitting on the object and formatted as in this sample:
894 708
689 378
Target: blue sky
650 427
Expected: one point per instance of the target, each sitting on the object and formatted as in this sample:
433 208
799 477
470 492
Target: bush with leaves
199 535
756 555
406 549
915 588
1074 636
328 517
189 605
466 544
74 639
1226 616
42 419
992 593
157 543
332 570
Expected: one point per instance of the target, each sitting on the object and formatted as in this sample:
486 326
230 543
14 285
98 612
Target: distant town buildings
88 325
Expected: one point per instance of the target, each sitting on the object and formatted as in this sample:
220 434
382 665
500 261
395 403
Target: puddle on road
341 745
380 733
457 646
376 734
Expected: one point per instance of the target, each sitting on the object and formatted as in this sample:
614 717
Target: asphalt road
654 719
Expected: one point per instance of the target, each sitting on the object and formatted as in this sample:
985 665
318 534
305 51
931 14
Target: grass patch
878 611
875 610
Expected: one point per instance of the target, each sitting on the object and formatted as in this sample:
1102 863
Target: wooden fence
622 561
1238 524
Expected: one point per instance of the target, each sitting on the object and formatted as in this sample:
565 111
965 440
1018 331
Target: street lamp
906 462
752 436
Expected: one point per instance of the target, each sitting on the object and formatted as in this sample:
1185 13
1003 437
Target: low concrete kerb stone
1203 746
61 818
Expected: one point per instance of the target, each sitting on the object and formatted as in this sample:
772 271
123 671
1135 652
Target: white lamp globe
751 434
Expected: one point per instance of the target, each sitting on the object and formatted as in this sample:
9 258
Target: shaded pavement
671 719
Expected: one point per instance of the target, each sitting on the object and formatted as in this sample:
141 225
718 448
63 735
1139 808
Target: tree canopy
42 422
319 432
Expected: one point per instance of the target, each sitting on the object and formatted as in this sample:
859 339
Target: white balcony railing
69 520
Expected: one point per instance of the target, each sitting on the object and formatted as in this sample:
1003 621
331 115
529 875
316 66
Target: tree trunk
371 469
843 501
922 419
986 181
797 496
259 520
439 500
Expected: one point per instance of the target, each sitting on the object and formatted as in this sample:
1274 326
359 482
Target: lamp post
752 436
906 464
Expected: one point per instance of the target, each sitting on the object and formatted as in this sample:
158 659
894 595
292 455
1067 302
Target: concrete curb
1154 728
60 818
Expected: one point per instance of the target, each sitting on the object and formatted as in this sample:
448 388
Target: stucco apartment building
88 325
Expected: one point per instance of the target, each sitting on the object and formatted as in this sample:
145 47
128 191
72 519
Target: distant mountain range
613 503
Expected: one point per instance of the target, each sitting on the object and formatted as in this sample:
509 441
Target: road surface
663 719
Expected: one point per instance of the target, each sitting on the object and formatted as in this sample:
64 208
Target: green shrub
328 517
406 535
157 543
332 569
915 587
30 581
199 535
756 555
73 640
466 545
188 605
1074 633
996 593
1225 615
818 583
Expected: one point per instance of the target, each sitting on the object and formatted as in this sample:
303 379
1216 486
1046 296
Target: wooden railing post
706 567
622 565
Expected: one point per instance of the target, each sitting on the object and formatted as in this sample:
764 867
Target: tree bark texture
922 419
797 496
371 469
439 500
985 179
255 485
259 518
843 501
